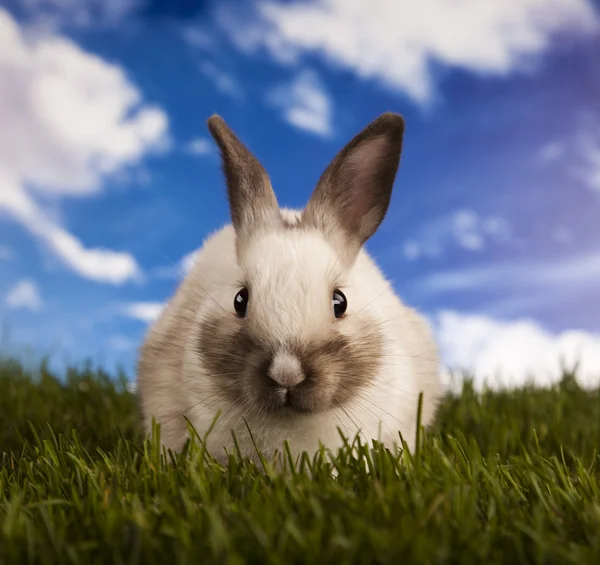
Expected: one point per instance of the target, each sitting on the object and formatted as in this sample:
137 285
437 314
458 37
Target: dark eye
240 302
339 303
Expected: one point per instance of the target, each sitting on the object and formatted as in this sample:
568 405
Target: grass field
503 478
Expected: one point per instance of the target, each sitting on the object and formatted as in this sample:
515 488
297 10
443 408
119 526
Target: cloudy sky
108 180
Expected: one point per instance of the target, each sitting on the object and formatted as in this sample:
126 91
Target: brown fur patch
335 368
225 349
252 201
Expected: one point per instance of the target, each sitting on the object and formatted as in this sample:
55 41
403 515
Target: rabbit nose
286 370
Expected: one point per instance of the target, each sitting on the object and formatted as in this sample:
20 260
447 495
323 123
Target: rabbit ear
252 201
354 192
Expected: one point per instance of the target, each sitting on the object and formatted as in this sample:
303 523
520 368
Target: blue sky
108 178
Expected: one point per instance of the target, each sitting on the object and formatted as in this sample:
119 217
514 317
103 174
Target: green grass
503 478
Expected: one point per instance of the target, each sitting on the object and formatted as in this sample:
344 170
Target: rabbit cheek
226 351
348 365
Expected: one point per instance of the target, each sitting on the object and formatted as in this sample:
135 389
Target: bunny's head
300 332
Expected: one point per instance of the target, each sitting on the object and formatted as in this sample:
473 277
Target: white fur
289 271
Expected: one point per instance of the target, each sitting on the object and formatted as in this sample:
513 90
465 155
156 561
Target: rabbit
285 326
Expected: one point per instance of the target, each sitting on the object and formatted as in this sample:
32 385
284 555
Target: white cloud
187 261
221 80
69 121
24 295
78 13
411 250
144 311
578 152
396 41
6 253
200 146
591 156
465 226
98 264
496 227
198 38
511 353
551 152
561 234
569 273
304 103
462 228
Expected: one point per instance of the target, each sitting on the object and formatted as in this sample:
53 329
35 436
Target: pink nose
286 370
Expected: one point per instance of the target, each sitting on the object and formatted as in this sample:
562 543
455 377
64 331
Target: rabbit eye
240 302
339 303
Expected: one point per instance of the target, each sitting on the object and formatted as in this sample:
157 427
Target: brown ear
354 192
252 202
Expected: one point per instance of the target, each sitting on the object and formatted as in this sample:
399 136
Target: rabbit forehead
291 275
292 258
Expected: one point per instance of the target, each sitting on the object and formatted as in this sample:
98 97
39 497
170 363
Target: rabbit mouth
297 400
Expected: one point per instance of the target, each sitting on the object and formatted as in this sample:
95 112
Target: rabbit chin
266 432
